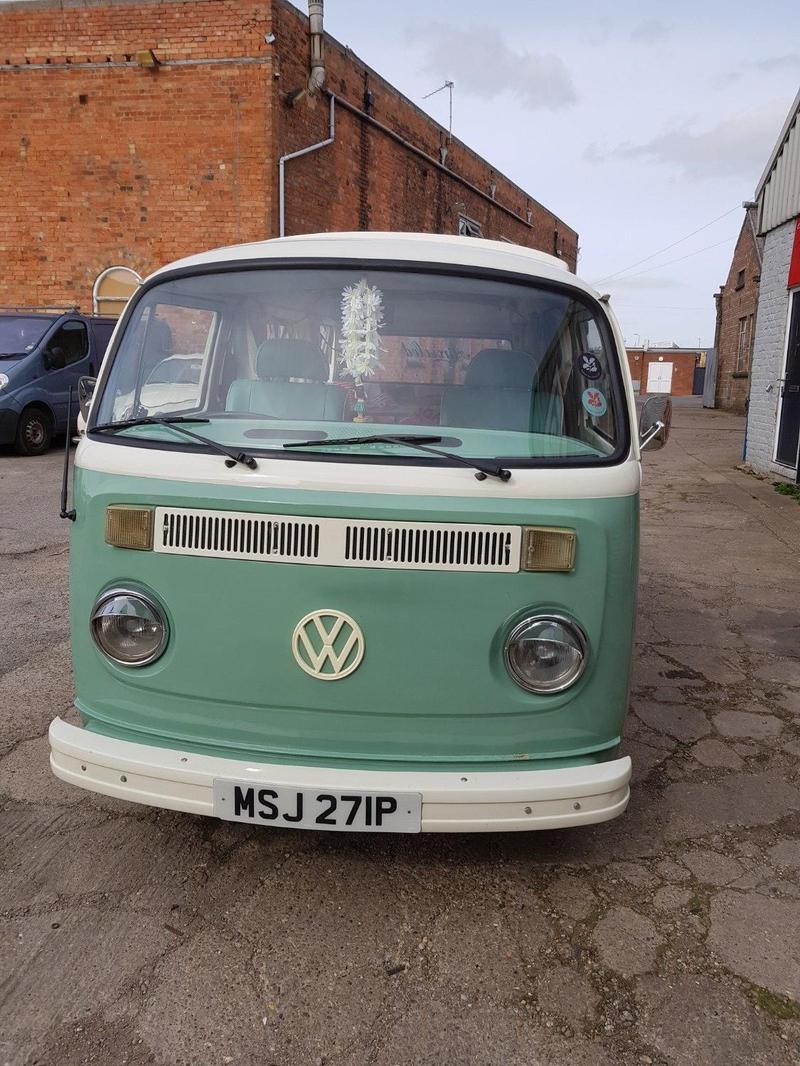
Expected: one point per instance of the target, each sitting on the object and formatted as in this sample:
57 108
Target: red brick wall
106 163
635 363
365 180
735 302
683 370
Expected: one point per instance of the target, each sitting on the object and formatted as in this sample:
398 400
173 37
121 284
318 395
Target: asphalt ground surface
672 935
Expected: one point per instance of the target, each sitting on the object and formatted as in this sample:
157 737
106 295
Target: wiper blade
147 420
371 438
483 467
176 423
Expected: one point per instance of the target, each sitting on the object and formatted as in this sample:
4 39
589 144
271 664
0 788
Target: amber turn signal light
129 527
545 548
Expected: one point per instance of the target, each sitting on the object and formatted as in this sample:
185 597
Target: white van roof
411 247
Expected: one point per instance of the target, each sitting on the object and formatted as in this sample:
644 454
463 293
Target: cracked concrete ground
669 936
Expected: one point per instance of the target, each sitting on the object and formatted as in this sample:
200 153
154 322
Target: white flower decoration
362 318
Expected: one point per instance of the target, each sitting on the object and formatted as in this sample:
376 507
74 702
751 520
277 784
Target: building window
468 227
744 348
112 290
740 280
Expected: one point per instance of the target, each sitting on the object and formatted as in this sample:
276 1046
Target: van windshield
19 334
522 370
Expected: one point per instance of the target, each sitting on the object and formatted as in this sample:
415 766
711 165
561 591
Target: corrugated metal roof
778 191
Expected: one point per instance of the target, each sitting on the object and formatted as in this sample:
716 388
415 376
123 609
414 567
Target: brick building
135 133
773 416
737 307
670 369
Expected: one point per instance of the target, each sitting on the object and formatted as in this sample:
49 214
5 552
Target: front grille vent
445 547
230 535
337 541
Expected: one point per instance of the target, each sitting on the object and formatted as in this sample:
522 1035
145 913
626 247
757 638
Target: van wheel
34 432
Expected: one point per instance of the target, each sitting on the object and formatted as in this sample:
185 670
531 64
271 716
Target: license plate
312 808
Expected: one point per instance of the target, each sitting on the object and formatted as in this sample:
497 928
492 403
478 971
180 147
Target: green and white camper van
355 541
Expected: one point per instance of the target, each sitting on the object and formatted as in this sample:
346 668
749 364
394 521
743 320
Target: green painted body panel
432 691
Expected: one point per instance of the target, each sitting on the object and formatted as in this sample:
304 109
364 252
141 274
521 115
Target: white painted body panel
391 247
531 484
451 802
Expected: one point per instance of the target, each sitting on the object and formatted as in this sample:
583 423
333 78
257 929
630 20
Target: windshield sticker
589 366
594 402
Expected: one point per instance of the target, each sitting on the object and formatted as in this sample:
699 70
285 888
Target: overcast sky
636 123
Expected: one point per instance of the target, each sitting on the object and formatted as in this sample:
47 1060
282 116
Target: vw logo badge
328 645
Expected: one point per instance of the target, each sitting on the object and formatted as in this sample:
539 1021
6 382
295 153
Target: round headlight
546 653
129 627
3 380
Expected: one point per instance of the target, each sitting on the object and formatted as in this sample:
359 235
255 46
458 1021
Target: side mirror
86 388
655 421
55 358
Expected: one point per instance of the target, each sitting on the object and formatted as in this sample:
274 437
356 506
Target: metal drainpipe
316 77
295 155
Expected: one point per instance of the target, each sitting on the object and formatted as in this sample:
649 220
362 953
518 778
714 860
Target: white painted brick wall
769 347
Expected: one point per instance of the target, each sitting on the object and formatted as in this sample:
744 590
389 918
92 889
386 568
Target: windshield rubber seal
408 266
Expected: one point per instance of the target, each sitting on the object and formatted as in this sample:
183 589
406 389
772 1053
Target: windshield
20 334
511 369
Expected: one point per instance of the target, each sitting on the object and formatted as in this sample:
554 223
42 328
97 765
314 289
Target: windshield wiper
483 468
175 422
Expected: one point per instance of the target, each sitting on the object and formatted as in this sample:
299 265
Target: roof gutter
429 159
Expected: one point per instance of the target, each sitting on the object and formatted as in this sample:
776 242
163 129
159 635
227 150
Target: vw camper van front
356 542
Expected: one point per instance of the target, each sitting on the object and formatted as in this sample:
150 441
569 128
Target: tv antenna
449 86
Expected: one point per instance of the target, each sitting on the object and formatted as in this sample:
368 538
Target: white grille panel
337 541
235 535
424 547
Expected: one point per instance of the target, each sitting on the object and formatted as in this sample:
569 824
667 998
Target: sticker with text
594 402
589 366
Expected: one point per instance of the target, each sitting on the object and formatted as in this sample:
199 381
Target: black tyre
34 432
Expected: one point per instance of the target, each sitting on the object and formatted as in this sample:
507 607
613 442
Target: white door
659 377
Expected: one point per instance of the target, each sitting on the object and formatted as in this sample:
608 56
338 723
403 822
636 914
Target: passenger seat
291 385
499 392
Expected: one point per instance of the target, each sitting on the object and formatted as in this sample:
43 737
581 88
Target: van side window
102 335
74 339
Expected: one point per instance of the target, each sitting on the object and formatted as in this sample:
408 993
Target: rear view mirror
85 393
55 358
655 421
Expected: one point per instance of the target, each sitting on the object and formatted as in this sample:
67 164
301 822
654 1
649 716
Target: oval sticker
594 402
589 366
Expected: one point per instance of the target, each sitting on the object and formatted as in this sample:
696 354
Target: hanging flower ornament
362 318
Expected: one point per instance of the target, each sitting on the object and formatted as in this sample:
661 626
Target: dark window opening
74 340
468 227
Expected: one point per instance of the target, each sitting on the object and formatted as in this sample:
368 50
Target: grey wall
769 348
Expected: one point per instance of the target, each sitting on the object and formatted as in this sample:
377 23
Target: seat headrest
502 368
161 337
284 359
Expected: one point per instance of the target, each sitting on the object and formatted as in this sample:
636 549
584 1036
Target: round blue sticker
594 402
589 366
